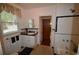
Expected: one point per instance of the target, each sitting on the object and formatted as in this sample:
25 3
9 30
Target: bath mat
26 51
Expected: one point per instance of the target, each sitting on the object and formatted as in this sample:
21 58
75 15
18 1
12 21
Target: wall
24 18
64 9
76 7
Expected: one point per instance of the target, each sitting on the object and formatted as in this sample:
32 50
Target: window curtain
10 8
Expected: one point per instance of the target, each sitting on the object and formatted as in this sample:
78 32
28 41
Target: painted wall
64 9
29 41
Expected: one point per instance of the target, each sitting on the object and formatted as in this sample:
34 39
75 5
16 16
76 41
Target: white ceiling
34 5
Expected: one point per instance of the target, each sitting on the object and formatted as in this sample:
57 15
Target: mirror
30 23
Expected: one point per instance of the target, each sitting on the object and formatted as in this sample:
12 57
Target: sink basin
31 33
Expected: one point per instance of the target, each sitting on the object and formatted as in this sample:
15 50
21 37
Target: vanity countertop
33 34
29 31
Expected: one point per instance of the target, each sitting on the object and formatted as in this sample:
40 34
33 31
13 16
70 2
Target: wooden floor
42 50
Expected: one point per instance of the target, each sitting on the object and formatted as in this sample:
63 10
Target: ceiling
34 5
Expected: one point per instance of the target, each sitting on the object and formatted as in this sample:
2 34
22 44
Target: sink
30 33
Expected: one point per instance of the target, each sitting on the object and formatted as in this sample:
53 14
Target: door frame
40 22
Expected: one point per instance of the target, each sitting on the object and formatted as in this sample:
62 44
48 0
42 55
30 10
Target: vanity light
50 23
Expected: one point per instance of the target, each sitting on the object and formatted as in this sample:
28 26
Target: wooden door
46 29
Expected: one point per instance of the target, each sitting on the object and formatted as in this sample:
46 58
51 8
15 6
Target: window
8 21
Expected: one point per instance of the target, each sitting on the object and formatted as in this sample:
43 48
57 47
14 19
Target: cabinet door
28 41
31 41
62 44
7 45
24 40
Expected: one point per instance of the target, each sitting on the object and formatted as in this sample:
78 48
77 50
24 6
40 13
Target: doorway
46 30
